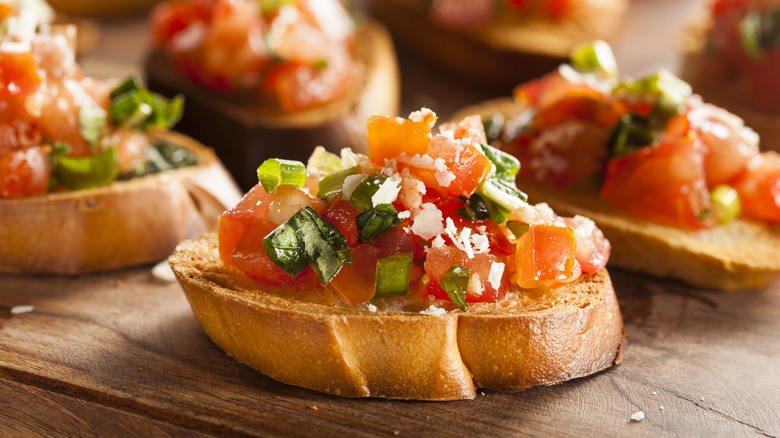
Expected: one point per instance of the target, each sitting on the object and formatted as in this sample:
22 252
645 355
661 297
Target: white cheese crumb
350 184
702 399
404 214
387 193
371 307
443 175
466 241
481 243
428 222
423 115
424 161
189 38
433 311
18 310
437 242
661 408
638 416
162 271
496 272
348 158
655 393
474 286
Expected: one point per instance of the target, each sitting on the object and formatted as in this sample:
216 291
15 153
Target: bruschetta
732 58
496 44
418 273
677 185
267 79
90 178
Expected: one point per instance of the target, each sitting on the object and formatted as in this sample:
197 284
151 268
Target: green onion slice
671 91
493 126
501 197
518 228
135 107
392 274
306 239
361 197
88 172
373 222
275 172
324 161
632 132
507 165
92 124
594 57
333 184
455 282
726 204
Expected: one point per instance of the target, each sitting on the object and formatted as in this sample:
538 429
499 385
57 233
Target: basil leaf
373 222
475 209
455 282
361 197
631 133
135 107
507 165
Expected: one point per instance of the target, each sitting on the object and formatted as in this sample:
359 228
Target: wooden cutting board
121 354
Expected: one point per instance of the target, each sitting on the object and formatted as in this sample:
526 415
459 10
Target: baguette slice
308 338
501 55
130 222
742 255
244 133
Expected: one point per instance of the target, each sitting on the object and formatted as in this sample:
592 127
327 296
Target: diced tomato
171 17
586 105
24 172
759 188
398 240
18 74
388 137
356 283
546 256
250 257
234 222
462 174
664 183
306 86
593 248
342 214
439 261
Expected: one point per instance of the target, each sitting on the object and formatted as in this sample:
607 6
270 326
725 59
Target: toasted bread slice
130 222
741 255
308 338
501 55
245 133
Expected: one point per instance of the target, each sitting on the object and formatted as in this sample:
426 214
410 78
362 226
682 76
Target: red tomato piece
664 183
439 261
171 17
759 188
546 256
342 214
593 248
388 137
234 222
249 255
24 172
356 283
398 240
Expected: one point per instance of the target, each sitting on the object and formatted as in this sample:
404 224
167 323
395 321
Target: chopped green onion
501 197
333 184
324 161
507 165
135 107
392 274
518 228
373 222
632 132
306 239
361 197
92 124
275 172
726 204
475 209
750 35
672 92
88 172
594 56
455 282
493 126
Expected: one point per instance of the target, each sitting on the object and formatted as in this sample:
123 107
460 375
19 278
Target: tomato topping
234 222
250 256
759 188
169 18
342 214
24 172
592 247
356 283
546 256
439 261
663 183
389 137
18 74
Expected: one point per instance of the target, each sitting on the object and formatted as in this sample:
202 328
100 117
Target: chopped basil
373 222
594 57
475 209
518 228
275 172
333 184
671 93
493 126
162 156
361 197
135 107
506 165
88 172
392 274
306 239
92 124
455 282
630 133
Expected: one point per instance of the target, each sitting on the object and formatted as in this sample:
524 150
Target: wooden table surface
120 354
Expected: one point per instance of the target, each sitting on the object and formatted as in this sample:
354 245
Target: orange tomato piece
759 188
356 283
389 136
664 183
546 255
24 172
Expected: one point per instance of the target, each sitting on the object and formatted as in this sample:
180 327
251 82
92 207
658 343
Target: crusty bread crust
247 132
125 223
742 255
502 54
308 338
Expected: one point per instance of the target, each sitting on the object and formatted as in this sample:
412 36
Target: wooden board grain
121 351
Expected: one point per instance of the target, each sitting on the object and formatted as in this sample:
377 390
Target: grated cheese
350 184
475 287
428 222
433 311
388 191
496 272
